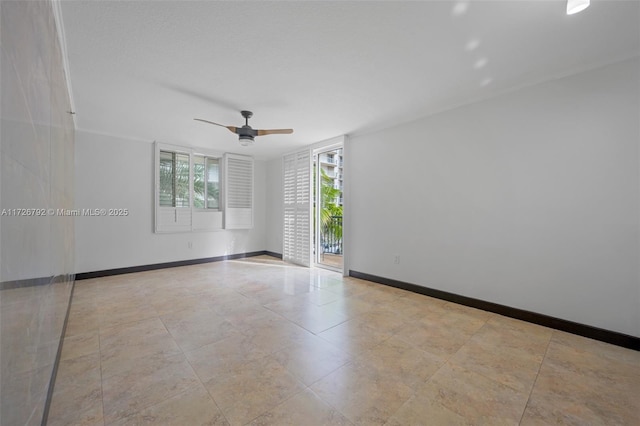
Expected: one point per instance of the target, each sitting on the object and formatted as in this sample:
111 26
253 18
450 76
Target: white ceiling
145 69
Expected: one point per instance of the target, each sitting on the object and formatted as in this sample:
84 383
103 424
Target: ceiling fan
246 132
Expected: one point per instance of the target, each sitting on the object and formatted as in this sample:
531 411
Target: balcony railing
331 236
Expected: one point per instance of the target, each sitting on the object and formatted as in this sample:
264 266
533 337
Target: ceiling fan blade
274 132
232 129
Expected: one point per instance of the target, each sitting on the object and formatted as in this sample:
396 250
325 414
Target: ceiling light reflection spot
480 63
472 44
575 6
486 82
460 8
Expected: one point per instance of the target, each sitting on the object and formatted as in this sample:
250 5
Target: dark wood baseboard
34 282
608 336
273 254
142 268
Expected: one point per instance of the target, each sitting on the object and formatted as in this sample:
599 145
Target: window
206 182
174 179
187 190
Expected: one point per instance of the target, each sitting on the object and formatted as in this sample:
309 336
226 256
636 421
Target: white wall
113 172
529 200
274 205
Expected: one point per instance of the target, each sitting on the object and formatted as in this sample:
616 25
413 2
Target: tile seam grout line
544 357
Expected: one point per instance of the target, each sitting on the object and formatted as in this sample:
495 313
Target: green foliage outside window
174 181
328 196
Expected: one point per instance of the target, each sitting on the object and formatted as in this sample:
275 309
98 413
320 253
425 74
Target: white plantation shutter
289 208
297 208
238 197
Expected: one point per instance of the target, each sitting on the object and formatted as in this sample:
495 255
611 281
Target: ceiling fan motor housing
246 133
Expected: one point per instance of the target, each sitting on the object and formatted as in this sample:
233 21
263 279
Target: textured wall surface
36 169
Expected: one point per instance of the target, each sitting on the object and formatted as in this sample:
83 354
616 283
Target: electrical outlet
190 244
396 259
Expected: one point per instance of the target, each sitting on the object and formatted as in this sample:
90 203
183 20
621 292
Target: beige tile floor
263 343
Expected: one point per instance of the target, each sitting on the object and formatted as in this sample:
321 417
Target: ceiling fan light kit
246 133
246 140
